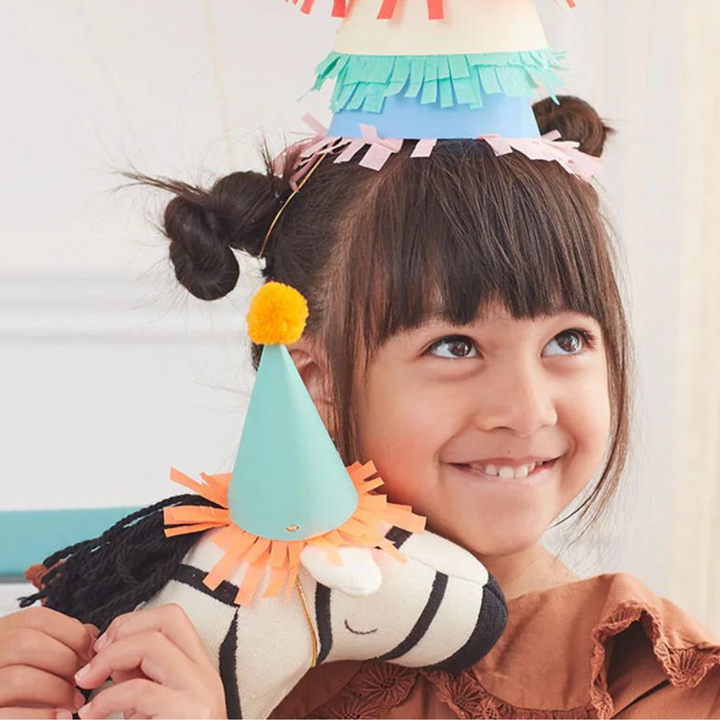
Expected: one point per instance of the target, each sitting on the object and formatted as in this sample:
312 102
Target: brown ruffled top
598 648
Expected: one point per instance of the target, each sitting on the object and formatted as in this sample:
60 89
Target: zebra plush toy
438 610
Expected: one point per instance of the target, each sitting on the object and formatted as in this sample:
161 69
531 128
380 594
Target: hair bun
575 120
203 260
205 226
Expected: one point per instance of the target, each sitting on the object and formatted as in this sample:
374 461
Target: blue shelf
29 536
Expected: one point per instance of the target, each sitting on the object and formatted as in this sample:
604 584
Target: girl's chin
497 539
498 516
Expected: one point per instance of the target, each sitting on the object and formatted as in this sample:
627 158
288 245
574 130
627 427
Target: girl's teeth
509 473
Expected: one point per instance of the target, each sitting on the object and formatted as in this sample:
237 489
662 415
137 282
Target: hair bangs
474 231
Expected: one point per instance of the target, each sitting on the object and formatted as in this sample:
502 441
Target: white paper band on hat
469 26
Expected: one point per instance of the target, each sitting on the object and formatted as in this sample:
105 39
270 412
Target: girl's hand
40 652
159 668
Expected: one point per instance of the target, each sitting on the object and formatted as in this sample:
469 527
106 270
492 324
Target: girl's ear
314 372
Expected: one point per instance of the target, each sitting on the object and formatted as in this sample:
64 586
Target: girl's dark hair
376 252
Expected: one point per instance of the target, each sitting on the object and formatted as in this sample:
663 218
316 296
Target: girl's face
455 419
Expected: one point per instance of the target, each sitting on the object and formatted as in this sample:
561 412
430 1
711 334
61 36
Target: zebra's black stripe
323 620
423 622
228 671
226 592
488 629
397 536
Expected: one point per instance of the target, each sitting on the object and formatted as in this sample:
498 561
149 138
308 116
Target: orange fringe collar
283 557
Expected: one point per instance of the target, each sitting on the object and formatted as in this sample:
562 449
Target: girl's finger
26 646
93 630
170 620
19 713
69 631
152 652
24 685
137 697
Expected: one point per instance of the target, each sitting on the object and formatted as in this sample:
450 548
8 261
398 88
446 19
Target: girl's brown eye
453 347
571 342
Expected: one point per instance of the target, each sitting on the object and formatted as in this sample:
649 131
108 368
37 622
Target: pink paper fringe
549 147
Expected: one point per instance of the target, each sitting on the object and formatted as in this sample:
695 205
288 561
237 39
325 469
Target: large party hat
406 70
289 487
467 74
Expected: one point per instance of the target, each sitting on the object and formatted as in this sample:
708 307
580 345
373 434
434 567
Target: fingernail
101 642
84 710
93 630
79 699
63 715
82 672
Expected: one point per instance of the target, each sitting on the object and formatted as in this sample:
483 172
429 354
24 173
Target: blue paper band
409 119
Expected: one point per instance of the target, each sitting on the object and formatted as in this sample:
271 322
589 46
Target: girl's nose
522 402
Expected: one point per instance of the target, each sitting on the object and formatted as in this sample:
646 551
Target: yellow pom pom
277 315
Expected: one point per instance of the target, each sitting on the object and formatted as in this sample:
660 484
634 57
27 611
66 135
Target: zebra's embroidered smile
359 632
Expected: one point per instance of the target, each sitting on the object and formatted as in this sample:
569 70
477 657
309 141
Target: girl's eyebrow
441 316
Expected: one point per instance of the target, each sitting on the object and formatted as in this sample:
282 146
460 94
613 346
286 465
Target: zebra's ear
358 575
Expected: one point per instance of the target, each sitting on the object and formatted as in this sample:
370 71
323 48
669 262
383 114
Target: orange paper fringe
280 556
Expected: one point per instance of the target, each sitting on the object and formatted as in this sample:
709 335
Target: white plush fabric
424 612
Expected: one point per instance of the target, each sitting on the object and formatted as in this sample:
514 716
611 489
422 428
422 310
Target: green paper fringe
364 81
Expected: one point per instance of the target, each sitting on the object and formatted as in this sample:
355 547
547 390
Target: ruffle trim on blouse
467 698
684 667
378 687
372 692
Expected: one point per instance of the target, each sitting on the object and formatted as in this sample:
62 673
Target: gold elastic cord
287 202
311 627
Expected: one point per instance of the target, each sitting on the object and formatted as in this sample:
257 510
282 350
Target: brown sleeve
669 701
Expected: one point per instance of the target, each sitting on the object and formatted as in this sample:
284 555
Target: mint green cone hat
289 481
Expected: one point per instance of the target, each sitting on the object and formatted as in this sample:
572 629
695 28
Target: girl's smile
489 429
507 473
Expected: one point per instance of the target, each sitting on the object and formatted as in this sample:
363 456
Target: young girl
467 333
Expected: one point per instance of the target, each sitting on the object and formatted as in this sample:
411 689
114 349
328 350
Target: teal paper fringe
364 81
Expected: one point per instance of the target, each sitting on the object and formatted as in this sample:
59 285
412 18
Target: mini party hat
405 70
289 487
305 490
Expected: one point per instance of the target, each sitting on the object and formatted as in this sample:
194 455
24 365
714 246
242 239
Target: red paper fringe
436 10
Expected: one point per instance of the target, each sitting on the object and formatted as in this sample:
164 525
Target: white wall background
109 374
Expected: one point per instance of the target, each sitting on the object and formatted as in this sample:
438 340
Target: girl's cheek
584 417
403 433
